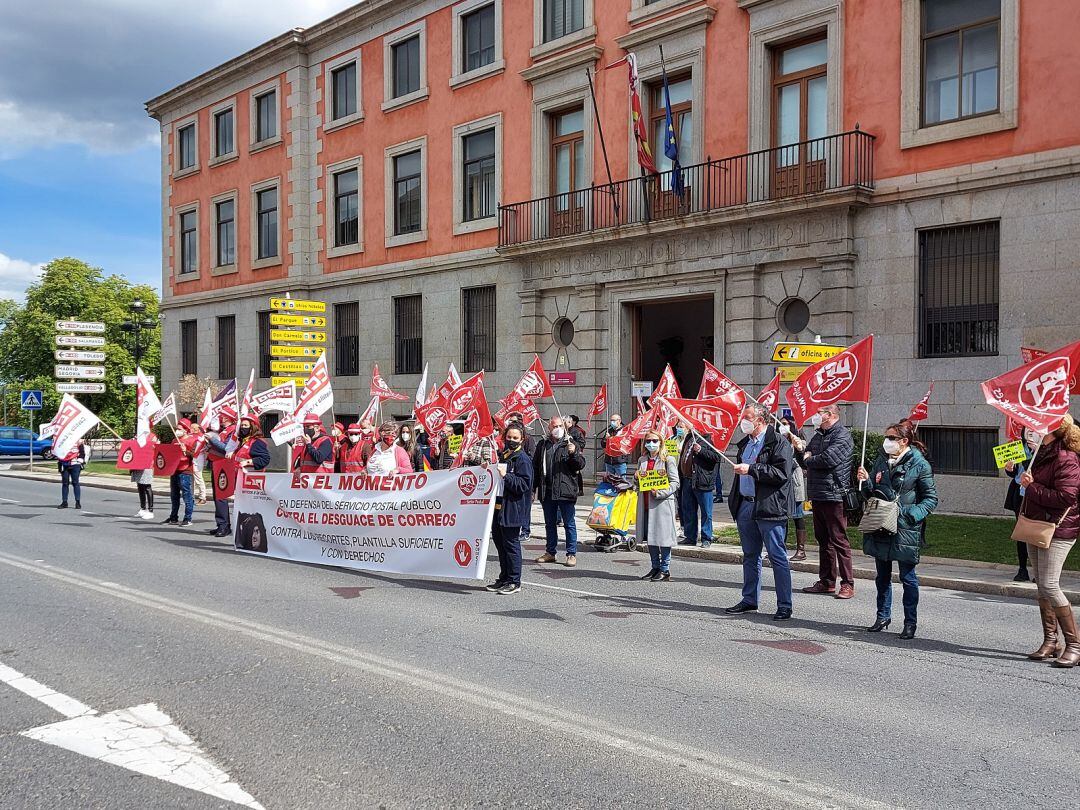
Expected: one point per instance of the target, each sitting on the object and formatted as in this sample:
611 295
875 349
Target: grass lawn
962 538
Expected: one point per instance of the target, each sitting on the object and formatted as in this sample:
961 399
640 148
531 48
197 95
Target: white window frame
461 226
191 120
271 261
333 251
177 252
459 76
912 132
254 144
541 48
641 11
418 28
224 269
392 239
228 104
330 124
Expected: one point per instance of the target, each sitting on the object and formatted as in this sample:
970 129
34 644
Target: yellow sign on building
310 321
300 381
789 374
296 336
291 366
296 351
804 352
297 305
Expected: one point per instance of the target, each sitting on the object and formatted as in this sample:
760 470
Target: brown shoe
798 556
846 591
819 587
800 546
1049 648
571 560
1071 656
543 558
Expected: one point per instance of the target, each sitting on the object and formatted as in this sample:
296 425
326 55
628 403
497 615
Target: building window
478 328
408 334
225 229
266 213
961 451
224 141
562 17
406 66
266 116
346 208
961 47
264 344
226 342
189 348
407 193
567 161
800 114
478 40
344 93
958 291
478 173
347 339
189 242
185 148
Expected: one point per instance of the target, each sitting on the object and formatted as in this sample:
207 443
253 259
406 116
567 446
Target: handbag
1037 533
879 515
853 503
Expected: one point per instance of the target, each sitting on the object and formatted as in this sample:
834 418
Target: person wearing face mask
761 498
442 458
1015 496
615 465
900 473
337 436
797 440
220 441
406 438
314 452
512 509
656 508
252 454
1051 486
421 456
190 444
826 459
354 451
388 457
557 463
697 485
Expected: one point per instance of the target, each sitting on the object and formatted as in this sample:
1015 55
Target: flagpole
701 438
866 423
603 148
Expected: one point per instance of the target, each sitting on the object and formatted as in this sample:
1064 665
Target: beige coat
662 506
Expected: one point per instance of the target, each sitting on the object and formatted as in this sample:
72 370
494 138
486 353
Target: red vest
353 457
307 465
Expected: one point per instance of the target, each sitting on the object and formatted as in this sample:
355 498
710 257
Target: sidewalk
934 572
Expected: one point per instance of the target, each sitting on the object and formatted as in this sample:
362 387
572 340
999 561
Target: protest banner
167 458
650 480
1010 451
672 447
453 443
425 524
135 456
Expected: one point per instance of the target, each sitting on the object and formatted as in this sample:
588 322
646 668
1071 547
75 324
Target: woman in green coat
902 473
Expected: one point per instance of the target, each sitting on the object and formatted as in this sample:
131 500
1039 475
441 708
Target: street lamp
136 325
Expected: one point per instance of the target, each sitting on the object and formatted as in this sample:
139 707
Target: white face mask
405 435
891 446
746 426
557 433
785 430
652 447
815 420
353 438
1032 438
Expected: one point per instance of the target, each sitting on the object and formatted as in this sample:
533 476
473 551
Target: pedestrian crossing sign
31 400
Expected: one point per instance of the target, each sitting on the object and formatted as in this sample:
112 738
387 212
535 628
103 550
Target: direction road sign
310 321
79 372
80 388
31 400
804 352
297 305
290 366
296 351
131 379
300 381
79 340
85 357
80 326
294 336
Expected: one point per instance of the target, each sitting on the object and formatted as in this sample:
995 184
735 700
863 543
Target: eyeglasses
894 438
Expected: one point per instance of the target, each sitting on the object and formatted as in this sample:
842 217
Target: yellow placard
652 479
672 446
454 444
310 321
290 366
300 381
804 352
297 351
1012 451
789 374
297 305
296 336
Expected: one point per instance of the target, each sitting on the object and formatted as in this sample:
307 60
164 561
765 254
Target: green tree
70 289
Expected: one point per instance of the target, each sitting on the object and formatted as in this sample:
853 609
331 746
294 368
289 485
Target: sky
79 157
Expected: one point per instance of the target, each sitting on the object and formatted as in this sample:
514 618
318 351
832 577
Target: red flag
510 405
1027 354
667 387
770 396
135 456
479 422
843 378
715 417
599 405
534 383
465 396
1013 430
453 380
380 389
714 382
637 117
433 416
922 409
1036 394
623 442
224 477
167 458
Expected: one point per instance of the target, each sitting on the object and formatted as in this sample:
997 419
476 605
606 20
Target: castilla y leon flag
637 117
714 382
1036 394
534 383
842 378
380 389
921 410
73 420
667 387
715 417
770 396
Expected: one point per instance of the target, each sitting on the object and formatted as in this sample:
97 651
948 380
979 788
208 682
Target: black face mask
243 433
512 446
310 432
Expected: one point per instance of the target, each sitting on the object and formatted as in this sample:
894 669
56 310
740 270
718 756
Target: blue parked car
17 441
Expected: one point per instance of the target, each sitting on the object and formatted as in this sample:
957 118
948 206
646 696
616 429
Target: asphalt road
319 687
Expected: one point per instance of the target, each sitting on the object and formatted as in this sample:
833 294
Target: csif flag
842 378
769 398
921 410
73 420
245 402
168 407
280 398
147 404
1036 394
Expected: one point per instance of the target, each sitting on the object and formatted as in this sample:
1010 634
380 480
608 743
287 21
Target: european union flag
671 143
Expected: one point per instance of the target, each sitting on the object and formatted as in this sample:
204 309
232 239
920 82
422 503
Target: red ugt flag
770 396
922 409
599 405
1036 395
843 378
714 382
715 417
667 387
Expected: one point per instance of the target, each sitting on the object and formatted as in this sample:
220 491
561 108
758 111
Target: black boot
909 631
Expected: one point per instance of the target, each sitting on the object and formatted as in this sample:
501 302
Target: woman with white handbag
900 494
1049 523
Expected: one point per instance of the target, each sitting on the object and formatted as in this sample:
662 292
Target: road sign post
30 400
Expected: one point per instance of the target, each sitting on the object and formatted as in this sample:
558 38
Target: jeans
70 472
698 503
615 469
508 544
553 510
180 487
719 483
884 590
753 536
221 515
661 557
830 529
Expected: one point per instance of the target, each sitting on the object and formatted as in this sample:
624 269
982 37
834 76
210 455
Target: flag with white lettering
667 387
921 409
844 377
1036 394
73 420
147 404
770 395
380 388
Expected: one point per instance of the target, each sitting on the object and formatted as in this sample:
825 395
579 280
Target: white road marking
9 500
142 739
780 787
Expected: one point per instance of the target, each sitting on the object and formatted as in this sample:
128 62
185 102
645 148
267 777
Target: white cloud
16 275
